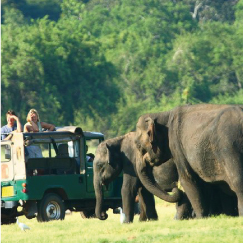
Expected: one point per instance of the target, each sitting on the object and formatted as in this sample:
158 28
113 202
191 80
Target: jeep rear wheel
51 207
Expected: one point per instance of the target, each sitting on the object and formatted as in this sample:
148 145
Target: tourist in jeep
35 125
13 125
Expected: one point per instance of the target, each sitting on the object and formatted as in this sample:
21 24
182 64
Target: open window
60 155
6 163
5 153
91 146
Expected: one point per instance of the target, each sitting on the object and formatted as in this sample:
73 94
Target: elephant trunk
150 184
99 199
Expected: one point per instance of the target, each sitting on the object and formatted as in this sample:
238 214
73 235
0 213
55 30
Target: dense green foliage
101 64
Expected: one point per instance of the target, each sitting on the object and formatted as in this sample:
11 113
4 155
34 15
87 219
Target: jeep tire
51 207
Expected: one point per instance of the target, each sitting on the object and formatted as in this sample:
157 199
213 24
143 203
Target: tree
59 61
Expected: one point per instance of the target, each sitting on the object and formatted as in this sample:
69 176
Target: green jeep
60 180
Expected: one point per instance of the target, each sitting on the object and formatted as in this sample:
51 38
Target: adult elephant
119 154
206 144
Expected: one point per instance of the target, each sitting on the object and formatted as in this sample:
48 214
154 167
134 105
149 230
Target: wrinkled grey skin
206 144
119 154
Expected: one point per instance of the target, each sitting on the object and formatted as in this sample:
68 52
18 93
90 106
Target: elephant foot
142 219
153 219
128 222
103 216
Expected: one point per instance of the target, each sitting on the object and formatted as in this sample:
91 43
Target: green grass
166 229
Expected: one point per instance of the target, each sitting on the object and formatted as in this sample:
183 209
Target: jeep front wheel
51 207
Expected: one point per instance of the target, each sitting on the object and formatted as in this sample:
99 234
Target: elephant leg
229 204
137 206
143 216
240 203
195 196
184 208
239 194
147 204
211 197
129 192
235 178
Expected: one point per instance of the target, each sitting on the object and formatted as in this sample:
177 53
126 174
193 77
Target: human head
9 117
31 113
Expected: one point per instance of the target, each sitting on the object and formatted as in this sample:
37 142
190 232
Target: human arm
8 137
19 126
31 127
49 127
6 134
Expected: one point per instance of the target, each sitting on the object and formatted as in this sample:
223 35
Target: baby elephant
119 154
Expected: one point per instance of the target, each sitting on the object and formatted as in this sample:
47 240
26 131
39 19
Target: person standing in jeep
13 124
35 125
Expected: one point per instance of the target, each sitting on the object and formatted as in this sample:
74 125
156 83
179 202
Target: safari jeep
60 180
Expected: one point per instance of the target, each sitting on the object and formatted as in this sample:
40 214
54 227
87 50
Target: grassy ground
166 229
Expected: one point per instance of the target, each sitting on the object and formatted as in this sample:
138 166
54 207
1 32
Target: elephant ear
112 155
151 129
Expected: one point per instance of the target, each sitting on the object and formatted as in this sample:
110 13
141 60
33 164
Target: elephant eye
139 146
99 164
